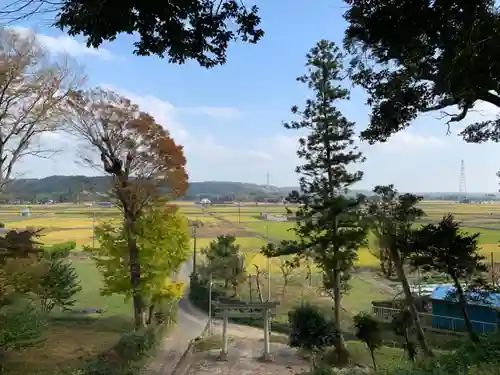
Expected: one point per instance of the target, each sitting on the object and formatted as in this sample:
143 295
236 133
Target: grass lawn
273 229
299 290
70 337
488 236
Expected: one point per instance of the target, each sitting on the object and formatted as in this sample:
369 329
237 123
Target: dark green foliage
61 247
224 261
415 57
60 283
128 356
134 345
16 244
368 330
468 358
21 325
180 30
310 329
444 247
329 225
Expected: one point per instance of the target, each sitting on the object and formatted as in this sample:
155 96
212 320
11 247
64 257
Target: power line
462 186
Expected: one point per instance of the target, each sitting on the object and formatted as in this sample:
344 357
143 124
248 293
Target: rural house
483 310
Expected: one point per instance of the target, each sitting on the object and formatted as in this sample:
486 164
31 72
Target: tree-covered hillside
83 188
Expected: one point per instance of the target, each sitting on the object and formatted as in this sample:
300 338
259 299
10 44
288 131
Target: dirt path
243 357
191 324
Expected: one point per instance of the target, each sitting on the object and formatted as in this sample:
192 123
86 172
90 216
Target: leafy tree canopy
200 30
163 242
444 247
416 56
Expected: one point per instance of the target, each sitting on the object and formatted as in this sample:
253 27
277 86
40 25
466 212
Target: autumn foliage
142 159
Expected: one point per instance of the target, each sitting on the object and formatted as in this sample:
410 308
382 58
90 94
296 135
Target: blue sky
230 118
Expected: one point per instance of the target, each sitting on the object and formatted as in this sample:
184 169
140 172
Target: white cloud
219 112
65 44
406 142
205 147
163 112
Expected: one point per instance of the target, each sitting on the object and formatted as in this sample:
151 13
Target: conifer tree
328 229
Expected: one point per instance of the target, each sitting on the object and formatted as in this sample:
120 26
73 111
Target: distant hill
74 188
82 188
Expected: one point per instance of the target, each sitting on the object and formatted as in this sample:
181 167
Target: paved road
190 324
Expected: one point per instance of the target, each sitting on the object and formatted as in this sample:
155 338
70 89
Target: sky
229 118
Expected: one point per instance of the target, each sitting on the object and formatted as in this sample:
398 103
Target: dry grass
54 222
241 218
66 346
201 217
80 236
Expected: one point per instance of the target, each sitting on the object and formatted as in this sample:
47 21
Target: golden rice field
70 222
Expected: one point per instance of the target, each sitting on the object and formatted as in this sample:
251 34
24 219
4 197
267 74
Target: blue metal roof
447 293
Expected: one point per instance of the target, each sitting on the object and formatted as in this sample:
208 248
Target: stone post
223 353
266 356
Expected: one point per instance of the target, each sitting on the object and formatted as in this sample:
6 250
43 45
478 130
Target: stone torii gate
244 310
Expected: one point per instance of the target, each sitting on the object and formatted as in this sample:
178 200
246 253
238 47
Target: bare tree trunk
463 307
372 353
340 346
135 273
410 301
257 281
382 261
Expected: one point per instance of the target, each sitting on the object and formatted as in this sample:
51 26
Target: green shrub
310 328
61 247
482 358
21 325
134 345
60 284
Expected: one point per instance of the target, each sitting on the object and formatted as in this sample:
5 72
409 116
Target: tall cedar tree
181 30
396 214
415 57
138 154
443 247
328 224
378 212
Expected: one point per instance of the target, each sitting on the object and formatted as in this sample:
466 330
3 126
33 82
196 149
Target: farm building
446 314
106 204
25 211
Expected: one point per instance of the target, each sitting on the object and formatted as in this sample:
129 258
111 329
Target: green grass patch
276 230
72 337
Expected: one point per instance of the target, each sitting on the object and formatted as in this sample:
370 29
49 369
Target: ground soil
244 358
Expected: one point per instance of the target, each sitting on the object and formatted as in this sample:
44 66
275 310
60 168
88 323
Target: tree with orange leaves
139 155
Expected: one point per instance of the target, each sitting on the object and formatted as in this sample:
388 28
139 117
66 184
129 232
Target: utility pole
210 306
239 212
195 225
268 292
93 230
